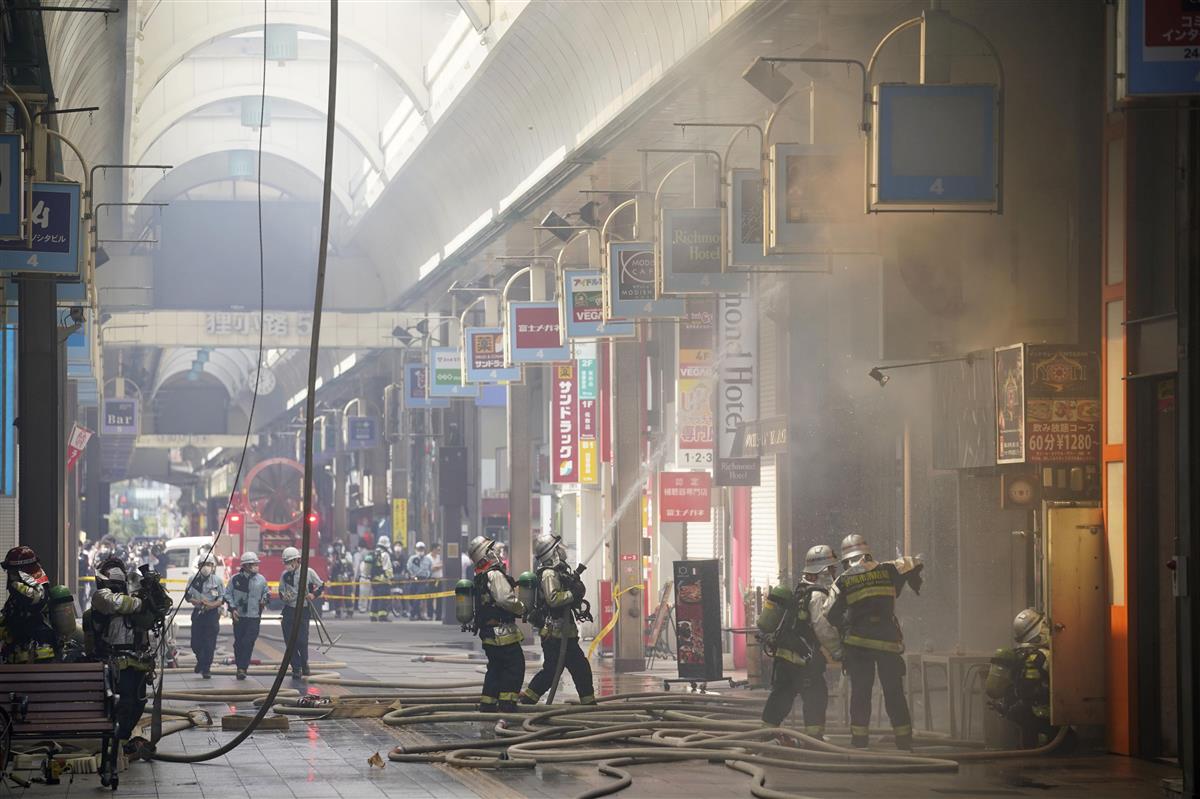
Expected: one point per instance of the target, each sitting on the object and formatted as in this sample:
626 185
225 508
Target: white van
182 555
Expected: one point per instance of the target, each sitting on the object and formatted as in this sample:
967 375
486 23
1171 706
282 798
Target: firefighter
121 626
207 595
341 570
28 632
1018 684
495 619
247 595
864 612
795 627
290 595
377 567
560 603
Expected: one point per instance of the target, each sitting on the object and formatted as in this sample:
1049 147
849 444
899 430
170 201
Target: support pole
626 401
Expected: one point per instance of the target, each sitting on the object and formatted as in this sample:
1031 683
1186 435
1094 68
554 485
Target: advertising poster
416 388
484 348
684 497
445 369
698 619
534 335
631 284
1010 404
696 385
564 425
691 253
583 307
1062 405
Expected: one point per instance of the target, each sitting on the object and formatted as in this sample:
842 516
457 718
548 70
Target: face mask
206 570
254 568
293 565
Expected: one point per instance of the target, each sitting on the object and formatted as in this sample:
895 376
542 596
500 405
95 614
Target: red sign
564 425
684 496
76 444
536 328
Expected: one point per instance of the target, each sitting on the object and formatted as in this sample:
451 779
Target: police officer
120 628
864 612
796 627
1018 682
420 569
560 597
377 567
247 594
207 595
290 594
341 570
496 611
28 633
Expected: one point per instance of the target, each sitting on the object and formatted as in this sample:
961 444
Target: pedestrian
377 569
495 620
560 602
86 574
864 612
289 593
207 595
420 567
436 573
247 595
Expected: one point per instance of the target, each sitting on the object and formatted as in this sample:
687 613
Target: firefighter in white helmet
246 595
289 593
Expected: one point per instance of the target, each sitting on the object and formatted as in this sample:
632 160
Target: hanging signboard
564 425
446 373
691 253
583 307
1161 51
1010 404
76 443
684 496
1062 405
56 234
807 214
746 248
588 379
120 417
696 386
484 362
534 335
12 183
630 288
936 147
362 432
698 619
416 394
737 388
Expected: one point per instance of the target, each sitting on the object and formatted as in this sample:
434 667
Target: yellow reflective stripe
529 693
814 729
867 593
872 643
590 699
902 730
856 730
791 657
505 640
487 700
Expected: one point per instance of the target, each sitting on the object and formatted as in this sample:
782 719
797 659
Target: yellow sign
588 461
400 522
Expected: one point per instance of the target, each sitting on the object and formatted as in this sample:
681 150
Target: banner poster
484 362
696 386
1062 405
1010 404
564 424
76 443
684 497
737 387
533 333
583 307
588 373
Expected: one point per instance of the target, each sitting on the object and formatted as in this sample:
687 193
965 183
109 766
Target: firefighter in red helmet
28 634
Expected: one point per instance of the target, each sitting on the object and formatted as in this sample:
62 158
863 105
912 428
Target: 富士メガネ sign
533 333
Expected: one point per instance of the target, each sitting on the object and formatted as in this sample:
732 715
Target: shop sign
445 367
534 334
416 394
764 437
120 417
57 229
587 370
484 348
691 253
684 497
737 387
272 324
564 425
12 183
362 432
631 284
696 384
1062 405
1010 404
400 522
746 230
1162 48
583 307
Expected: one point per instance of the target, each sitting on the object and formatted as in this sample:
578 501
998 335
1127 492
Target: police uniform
120 627
864 611
290 597
246 595
798 661
559 600
206 621
496 611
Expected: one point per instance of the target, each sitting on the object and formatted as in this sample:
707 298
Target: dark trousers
131 690
505 673
808 682
381 598
245 634
205 627
288 617
576 665
861 665
340 606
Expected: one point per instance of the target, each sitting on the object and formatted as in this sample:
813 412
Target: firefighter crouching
794 628
39 619
124 629
489 606
1018 683
864 612
554 601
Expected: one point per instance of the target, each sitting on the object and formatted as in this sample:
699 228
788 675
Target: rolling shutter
764 537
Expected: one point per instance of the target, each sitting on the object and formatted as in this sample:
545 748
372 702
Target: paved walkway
329 758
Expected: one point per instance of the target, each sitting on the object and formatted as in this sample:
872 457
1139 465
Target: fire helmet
23 558
1027 625
383 542
111 574
818 559
854 546
481 549
549 550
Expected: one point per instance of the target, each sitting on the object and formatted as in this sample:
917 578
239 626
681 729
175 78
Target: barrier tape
608 628
275 583
404 597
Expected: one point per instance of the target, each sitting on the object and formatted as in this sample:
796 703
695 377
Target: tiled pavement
329 758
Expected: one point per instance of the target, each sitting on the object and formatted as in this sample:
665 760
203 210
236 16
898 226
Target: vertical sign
696 385
1010 404
400 522
589 413
737 387
564 425
1062 405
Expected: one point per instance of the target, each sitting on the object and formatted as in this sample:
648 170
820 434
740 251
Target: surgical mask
206 570
292 565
